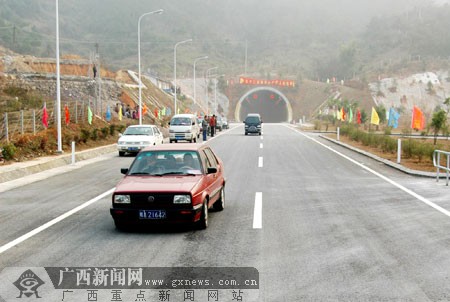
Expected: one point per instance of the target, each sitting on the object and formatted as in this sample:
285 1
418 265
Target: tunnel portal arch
270 103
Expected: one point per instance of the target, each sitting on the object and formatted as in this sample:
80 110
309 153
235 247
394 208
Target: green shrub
112 129
105 132
94 134
85 135
9 150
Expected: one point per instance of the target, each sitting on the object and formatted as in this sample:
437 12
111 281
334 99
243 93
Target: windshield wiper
139 173
177 173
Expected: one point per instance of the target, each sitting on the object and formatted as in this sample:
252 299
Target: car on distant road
219 123
170 184
137 137
225 123
253 123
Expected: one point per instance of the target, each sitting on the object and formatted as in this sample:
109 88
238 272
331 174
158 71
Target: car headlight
171 131
188 131
178 199
122 199
121 143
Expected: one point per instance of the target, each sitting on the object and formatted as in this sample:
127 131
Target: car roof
136 126
176 147
253 114
184 115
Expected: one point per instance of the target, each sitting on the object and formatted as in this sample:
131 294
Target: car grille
154 201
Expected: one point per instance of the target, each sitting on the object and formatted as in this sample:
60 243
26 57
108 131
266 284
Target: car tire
203 222
219 205
246 133
121 226
260 133
121 153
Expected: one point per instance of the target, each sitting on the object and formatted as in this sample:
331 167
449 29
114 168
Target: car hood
136 138
168 183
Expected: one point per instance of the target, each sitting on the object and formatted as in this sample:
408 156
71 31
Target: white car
137 137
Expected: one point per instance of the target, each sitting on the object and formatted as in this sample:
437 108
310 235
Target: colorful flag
418 119
144 110
358 117
45 116
393 118
120 113
67 114
108 113
350 115
343 115
374 119
89 115
155 112
163 111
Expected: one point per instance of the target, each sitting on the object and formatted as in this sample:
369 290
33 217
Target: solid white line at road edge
257 212
412 193
260 162
37 230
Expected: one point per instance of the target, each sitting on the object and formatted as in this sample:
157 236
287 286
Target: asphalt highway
319 222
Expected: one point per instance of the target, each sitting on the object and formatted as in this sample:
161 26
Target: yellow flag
120 112
374 119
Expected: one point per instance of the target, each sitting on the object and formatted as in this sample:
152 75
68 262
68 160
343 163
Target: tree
438 123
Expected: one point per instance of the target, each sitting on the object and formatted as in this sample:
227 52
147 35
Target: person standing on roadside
205 127
212 124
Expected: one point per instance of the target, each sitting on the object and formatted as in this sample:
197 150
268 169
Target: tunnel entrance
270 103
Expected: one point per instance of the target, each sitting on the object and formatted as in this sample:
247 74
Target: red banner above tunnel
251 81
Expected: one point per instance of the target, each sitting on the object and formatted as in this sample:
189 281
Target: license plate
179 137
152 214
133 148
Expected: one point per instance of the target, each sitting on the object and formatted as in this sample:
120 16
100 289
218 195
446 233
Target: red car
170 183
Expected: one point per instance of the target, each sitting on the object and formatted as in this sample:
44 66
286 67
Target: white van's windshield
180 121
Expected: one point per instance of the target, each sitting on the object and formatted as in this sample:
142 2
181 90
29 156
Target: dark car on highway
170 184
253 123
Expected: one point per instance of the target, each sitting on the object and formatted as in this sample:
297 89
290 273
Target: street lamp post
215 92
175 72
195 87
58 84
159 11
206 86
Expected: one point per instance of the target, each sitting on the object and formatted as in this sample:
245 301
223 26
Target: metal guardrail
437 163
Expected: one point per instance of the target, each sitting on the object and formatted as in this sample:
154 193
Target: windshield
180 121
160 163
138 131
252 120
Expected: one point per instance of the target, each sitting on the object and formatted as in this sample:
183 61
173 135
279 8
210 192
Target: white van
184 127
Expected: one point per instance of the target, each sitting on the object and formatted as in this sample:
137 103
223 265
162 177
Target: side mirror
193 123
120 134
168 123
211 170
124 170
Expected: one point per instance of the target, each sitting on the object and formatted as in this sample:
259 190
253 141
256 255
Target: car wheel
121 153
121 226
246 133
219 205
194 139
203 222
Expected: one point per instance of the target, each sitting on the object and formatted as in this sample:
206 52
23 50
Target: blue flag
108 113
393 118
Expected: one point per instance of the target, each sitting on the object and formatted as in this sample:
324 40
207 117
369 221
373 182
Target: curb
386 162
22 169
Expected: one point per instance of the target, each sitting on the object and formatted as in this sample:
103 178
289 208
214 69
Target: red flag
156 112
358 117
45 116
344 116
67 114
418 119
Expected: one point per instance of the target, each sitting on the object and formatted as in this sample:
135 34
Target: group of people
209 122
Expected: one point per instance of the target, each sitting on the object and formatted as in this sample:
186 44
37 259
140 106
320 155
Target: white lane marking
410 192
37 230
260 162
257 212
261 146
261 137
